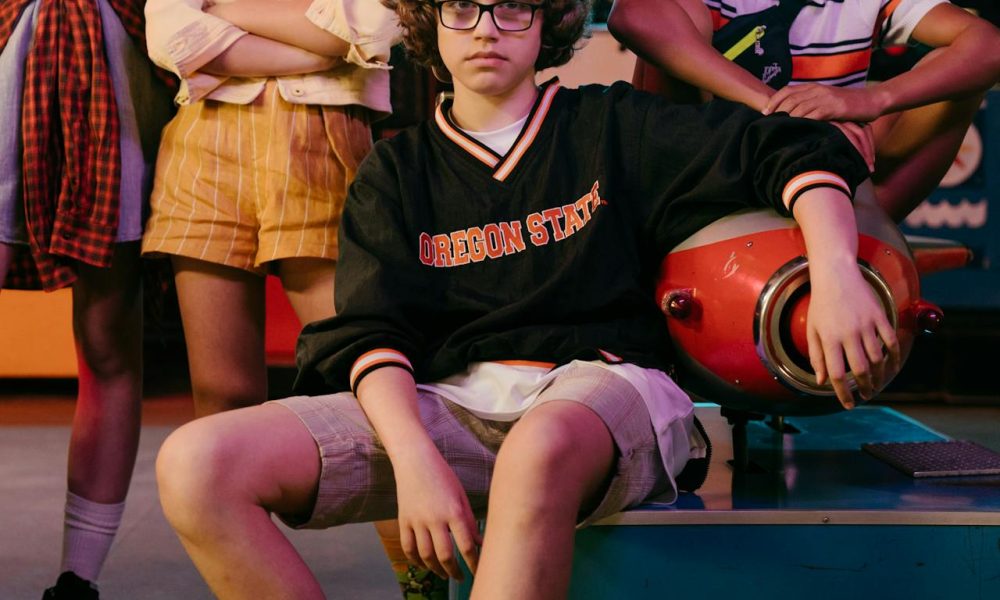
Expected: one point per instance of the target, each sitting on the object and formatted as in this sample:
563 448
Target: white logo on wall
970 155
944 215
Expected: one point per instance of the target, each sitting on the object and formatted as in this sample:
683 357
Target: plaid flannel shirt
70 133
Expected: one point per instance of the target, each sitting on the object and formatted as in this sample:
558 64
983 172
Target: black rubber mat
948 458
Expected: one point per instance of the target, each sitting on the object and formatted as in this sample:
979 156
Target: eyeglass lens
507 16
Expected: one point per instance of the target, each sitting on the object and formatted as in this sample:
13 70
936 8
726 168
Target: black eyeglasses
464 15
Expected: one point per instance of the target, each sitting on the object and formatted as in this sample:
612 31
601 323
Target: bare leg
309 285
219 478
544 478
915 148
6 256
916 152
222 309
107 323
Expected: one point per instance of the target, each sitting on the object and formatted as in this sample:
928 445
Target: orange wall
36 334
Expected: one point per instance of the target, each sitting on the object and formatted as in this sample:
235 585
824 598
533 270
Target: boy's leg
222 309
107 324
543 480
220 478
915 148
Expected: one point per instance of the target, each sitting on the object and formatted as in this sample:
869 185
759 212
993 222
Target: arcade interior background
949 382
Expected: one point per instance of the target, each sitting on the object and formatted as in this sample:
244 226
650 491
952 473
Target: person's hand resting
433 509
828 103
846 322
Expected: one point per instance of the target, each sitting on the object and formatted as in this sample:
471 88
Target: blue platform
819 519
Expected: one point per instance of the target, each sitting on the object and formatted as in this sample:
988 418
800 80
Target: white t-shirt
499 140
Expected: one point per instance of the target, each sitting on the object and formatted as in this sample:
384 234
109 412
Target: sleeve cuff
801 184
199 43
899 24
370 33
376 359
197 86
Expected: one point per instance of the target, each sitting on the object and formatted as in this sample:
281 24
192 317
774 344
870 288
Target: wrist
833 270
882 98
416 450
758 100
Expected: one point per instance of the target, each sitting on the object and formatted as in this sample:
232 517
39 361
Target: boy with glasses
497 349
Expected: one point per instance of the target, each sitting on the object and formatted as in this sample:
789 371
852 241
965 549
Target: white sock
88 531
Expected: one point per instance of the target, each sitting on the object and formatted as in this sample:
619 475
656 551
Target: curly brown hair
564 23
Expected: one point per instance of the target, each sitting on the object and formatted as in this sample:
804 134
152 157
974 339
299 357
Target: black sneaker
71 587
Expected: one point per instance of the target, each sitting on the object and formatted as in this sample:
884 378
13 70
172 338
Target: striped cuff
801 184
376 359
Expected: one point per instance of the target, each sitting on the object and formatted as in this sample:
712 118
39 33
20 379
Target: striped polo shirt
831 41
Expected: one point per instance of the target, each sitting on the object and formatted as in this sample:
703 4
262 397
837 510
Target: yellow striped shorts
243 185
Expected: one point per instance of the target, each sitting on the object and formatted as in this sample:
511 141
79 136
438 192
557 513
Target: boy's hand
846 320
828 103
433 508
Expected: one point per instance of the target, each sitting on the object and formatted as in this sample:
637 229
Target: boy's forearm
254 56
389 398
847 328
283 21
826 218
665 35
968 62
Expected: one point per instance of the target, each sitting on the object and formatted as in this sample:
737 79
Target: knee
108 351
191 473
554 459
539 450
109 363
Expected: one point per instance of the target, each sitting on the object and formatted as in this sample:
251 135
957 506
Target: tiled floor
147 562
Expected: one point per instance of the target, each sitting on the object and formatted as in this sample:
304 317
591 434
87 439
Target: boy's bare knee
554 443
539 446
192 472
555 458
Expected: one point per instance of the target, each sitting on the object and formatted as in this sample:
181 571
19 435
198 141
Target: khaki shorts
243 185
356 479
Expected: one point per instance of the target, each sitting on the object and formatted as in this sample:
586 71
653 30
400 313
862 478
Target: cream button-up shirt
182 39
